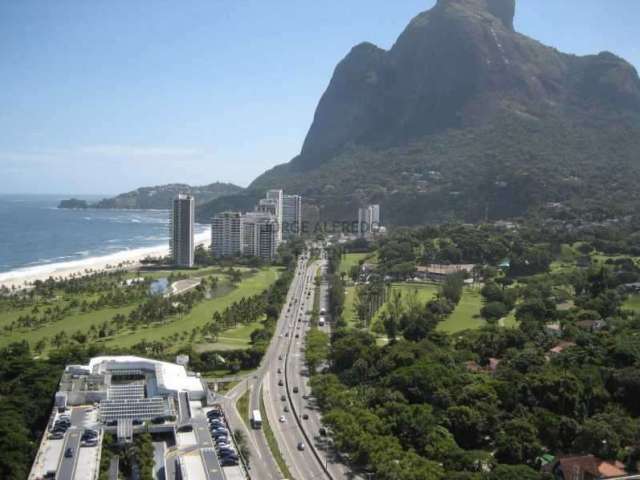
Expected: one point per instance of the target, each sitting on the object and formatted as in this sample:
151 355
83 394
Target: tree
517 443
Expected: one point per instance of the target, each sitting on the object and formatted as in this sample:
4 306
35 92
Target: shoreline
125 259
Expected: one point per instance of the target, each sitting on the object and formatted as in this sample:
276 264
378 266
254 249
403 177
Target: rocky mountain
466 118
158 197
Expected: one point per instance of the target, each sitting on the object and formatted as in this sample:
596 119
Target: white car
282 419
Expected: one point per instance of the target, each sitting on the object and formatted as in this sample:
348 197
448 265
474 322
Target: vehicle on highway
280 383
322 431
305 416
286 408
282 419
301 446
280 357
295 390
256 418
279 370
297 335
229 457
283 398
68 452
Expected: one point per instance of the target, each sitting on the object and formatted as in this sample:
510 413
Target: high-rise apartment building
259 235
276 195
291 216
182 224
226 234
368 219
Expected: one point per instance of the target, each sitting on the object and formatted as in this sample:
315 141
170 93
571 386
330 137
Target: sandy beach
126 259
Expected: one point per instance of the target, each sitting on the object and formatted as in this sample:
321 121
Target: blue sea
34 233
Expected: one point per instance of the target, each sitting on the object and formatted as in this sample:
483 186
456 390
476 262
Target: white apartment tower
182 222
368 219
226 234
259 235
291 216
277 195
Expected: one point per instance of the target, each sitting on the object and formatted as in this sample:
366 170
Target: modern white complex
291 216
256 233
128 386
122 396
369 220
182 223
227 234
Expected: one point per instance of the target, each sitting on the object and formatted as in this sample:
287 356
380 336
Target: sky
101 97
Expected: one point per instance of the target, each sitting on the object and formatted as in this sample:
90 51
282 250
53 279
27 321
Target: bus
256 419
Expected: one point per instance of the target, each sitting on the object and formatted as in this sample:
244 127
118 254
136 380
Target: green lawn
633 302
201 313
466 315
349 260
348 313
70 324
233 339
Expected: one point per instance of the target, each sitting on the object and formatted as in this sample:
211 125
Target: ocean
35 234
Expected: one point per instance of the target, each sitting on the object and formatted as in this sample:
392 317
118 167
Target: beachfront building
227 234
291 216
182 235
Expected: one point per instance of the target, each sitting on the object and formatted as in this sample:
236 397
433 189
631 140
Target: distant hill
158 197
465 118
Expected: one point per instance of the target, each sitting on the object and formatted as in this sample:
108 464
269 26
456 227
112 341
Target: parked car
68 453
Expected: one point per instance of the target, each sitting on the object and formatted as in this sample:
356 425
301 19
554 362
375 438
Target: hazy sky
106 96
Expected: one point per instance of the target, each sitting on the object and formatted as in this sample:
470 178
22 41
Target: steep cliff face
454 66
465 118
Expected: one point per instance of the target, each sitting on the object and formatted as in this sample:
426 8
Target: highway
290 363
263 465
284 360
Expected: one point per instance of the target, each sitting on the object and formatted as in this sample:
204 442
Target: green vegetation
243 406
561 379
78 310
273 444
465 315
351 260
633 302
